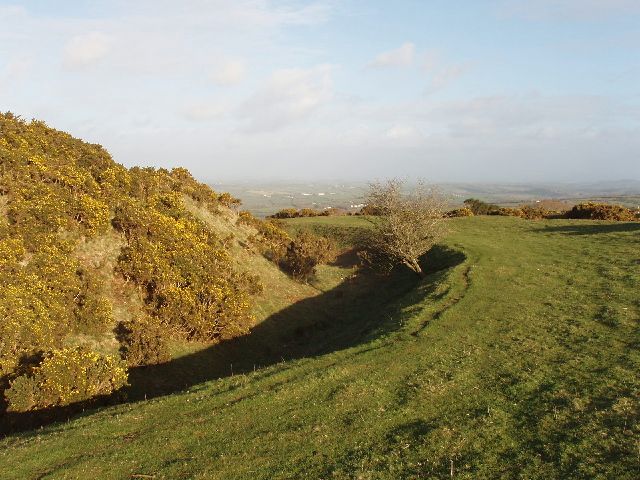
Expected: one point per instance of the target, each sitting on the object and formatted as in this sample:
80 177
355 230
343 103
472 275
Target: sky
260 90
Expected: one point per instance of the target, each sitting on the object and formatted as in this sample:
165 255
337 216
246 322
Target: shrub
308 212
371 210
408 226
64 377
37 298
601 211
271 240
186 273
201 193
286 213
93 311
228 200
478 207
246 218
332 212
306 252
54 190
536 213
142 342
459 212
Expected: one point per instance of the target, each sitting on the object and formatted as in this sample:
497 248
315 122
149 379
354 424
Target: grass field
516 357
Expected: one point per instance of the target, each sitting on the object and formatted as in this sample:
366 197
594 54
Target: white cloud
86 49
230 72
443 77
528 118
231 14
403 135
400 57
569 9
430 60
8 11
13 73
313 13
204 111
289 95
400 132
16 68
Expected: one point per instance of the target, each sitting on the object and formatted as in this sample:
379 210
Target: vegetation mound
113 259
601 211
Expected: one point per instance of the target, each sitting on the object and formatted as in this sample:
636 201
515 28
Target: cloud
288 96
13 73
441 72
204 111
525 119
430 60
231 72
444 76
86 49
404 135
229 14
8 11
569 9
16 68
314 13
400 57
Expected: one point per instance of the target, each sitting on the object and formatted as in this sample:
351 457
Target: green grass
343 229
521 360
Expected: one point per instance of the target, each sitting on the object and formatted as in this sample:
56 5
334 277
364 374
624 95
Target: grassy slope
520 362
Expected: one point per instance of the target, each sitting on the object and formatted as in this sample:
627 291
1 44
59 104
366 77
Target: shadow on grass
578 228
362 308
346 259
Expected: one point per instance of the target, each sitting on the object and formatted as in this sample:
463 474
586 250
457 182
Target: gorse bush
305 252
271 240
185 272
142 342
538 213
478 207
601 211
527 212
297 256
38 293
93 311
459 212
228 200
57 191
303 212
64 377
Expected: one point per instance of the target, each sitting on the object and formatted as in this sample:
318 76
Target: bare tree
405 225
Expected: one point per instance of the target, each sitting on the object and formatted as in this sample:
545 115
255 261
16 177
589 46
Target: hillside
99 262
516 357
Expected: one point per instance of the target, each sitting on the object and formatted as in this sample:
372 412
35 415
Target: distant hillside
268 198
99 262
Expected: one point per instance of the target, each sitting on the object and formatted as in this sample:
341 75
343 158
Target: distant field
517 357
263 200
266 199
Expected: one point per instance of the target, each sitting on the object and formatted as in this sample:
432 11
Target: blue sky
483 90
